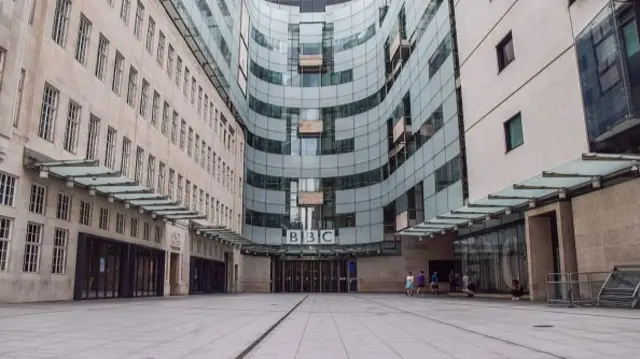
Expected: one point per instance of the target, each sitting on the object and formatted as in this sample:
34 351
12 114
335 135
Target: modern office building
550 126
117 156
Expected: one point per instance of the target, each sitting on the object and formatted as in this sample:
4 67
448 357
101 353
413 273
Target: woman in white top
409 284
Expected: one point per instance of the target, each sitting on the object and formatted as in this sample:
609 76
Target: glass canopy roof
365 248
587 171
100 180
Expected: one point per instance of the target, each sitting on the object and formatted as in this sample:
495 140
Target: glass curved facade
351 113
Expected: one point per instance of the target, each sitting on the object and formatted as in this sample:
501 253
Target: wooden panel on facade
310 198
399 128
310 60
310 126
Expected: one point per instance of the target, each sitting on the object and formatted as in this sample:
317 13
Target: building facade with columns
119 159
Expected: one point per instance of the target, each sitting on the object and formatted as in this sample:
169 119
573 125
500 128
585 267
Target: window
199 108
170 55
139 164
86 213
506 53
124 10
185 87
157 234
209 159
160 53
120 223
144 99
513 132
178 70
151 172
5 237
190 142
146 231
174 127
61 21
82 44
132 87
48 112
155 109
164 128
60 243
162 172
151 33
70 142
7 189
206 112
32 11
110 150
134 227
102 57
118 71
37 199
183 133
63 209
92 139
179 190
126 155
193 91
104 219
170 188
202 154
137 25
33 241
17 108
187 194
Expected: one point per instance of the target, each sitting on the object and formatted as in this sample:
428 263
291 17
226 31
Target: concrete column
539 254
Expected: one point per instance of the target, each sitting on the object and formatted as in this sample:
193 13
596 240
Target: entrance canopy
377 248
583 174
223 233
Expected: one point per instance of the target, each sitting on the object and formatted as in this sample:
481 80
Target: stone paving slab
327 326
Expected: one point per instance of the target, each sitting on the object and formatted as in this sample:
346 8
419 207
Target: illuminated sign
310 237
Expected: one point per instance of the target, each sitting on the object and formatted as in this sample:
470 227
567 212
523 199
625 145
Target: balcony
310 63
310 198
310 127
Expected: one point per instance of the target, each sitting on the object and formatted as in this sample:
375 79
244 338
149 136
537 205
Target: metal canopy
221 232
369 248
111 184
586 172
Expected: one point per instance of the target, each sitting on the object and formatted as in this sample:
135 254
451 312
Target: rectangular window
170 187
7 189
144 99
209 159
33 242
199 108
92 138
183 133
124 10
110 150
151 33
37 199
151 172
162 169
146 231
185 87
174 127
193 91
164 127
86 213
155 109
179 190
126 155
170 55
48 112
139 164
102 57
120 223
196 155
178 71
203 148
104 219
63 208
61 22
157 234
17 108
134 227
187 194
190 142
70 142
505 51
118 72
60 243
205 112
513 133
137 25
82 44
132 87
160 53
5 237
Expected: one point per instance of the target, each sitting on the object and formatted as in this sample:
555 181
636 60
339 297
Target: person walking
420 283
435 287
452 282
409 284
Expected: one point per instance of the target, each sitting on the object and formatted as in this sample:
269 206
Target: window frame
509 145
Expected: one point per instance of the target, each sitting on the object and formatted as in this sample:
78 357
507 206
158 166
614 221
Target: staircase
621 287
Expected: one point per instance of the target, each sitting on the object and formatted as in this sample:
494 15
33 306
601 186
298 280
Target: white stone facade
32 59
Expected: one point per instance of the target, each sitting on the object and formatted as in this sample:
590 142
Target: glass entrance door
314 276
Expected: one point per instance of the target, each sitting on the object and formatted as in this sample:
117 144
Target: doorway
314 276
174 273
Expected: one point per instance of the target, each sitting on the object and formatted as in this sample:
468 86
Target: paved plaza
327 326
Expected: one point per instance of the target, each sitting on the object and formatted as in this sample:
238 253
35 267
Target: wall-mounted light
164 219
110 198
140 210
419 239
44 173
126 205
562 194
69 183
153 216
431 236
198 232
487 218
455 228
443 232
507 211
470 224
532 204
596 183
92 191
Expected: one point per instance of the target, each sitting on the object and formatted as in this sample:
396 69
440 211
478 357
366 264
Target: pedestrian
435 283
452 282
409 284
420 283
516 289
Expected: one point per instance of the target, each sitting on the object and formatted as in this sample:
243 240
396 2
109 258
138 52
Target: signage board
310 237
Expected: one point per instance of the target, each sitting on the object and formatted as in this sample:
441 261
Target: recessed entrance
174 273
314 276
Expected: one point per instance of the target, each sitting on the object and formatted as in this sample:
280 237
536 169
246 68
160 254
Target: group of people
415 285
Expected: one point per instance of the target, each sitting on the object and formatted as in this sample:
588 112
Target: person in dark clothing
516 290
420 283
452 282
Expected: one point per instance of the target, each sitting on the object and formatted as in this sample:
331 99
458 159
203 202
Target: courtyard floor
327 326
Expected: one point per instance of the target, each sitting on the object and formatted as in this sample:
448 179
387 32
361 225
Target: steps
621 289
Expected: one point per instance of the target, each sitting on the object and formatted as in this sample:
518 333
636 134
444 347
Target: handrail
604 284
634 298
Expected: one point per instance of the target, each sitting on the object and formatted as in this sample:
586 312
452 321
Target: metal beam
497 196
471 213
528 187
114 184
151 205
471 205
183 217
94 175
69 163
457 218
550 174
609 157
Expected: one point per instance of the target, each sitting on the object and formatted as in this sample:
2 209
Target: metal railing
574 289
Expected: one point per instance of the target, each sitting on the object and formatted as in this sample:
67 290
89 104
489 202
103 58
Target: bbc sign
311 237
